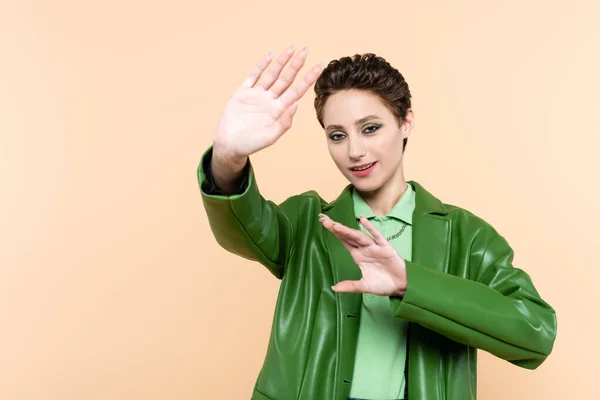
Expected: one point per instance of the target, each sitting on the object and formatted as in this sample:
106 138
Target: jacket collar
402 210
425 202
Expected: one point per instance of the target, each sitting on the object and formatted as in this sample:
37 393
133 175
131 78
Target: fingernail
305 49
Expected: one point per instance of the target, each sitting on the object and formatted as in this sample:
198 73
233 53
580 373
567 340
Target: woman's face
364 138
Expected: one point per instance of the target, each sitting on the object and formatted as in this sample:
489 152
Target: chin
365 185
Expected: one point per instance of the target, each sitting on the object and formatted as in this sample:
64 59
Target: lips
363 169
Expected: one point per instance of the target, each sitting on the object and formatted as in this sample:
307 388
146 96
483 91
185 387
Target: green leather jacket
463 294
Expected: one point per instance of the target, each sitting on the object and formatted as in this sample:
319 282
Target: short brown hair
364 72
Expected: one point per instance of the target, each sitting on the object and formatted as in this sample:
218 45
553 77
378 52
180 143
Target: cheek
336 152
390 145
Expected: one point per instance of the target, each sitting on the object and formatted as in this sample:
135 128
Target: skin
261 110
361 129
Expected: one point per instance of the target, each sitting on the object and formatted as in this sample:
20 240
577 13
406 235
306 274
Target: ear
408 124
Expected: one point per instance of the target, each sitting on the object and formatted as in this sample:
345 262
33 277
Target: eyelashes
374 128
369 129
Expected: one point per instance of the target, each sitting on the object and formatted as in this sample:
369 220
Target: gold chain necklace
397 234
394 236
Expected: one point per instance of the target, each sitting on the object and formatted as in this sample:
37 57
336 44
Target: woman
386 292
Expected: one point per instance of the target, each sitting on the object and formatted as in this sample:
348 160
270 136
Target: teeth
362 168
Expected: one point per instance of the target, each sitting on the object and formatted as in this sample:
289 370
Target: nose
357 149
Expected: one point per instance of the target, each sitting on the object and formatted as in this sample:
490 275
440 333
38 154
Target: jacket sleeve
245 223
499 312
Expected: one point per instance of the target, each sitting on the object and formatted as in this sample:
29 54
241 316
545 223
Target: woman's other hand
260 111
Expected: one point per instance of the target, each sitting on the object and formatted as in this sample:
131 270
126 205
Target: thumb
347 286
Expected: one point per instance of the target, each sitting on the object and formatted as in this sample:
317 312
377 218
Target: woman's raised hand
260 111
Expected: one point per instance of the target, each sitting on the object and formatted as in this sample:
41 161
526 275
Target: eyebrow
357 122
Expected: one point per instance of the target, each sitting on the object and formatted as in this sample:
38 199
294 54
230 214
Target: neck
383 199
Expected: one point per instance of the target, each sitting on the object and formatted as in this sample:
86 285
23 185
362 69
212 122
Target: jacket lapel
341 210
431 231
348 304
430 248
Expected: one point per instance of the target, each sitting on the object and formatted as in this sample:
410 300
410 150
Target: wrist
402 282
226 169
224 158
400 291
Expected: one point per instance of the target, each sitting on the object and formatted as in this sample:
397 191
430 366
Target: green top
381 347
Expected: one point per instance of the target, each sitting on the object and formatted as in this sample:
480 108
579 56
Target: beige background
111 286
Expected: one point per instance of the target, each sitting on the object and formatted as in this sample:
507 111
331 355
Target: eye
371 128
336 137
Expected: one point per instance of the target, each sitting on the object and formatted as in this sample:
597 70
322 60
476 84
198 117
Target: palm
262 108
377 267
249 121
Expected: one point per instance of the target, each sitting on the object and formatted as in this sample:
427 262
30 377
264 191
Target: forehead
346 106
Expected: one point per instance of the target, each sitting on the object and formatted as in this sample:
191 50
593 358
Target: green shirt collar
403 210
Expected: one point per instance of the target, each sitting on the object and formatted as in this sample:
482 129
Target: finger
258 69
350 235
349 287
345 235
377 235
352 244
328 224
284 123
285 80
294 93
351 247
270 75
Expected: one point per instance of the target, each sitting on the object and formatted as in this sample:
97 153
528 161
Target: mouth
363 169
